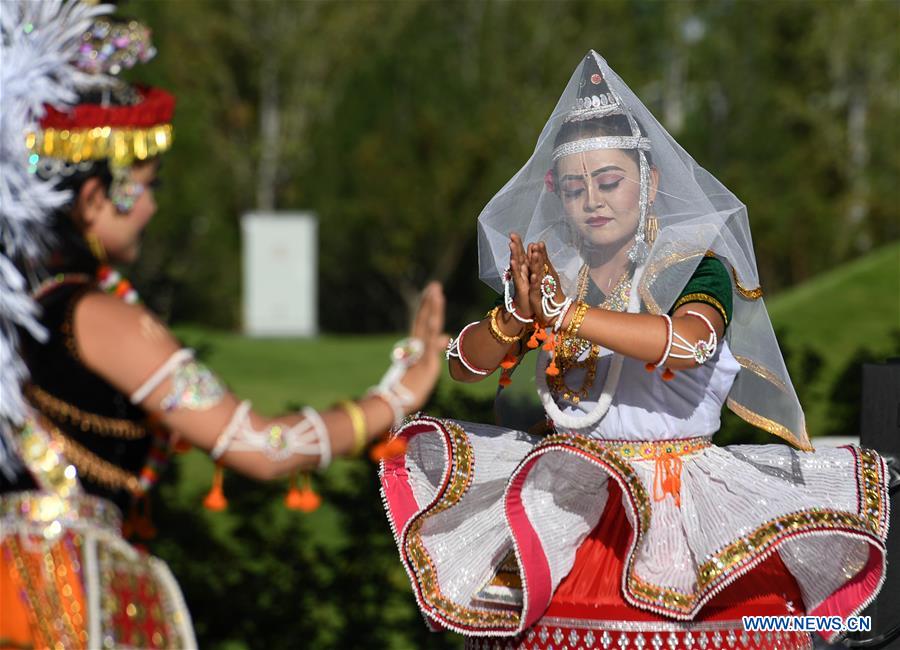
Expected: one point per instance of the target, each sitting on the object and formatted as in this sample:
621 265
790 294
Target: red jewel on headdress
596 78
549 182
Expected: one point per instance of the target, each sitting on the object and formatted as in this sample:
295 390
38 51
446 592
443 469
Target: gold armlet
358 420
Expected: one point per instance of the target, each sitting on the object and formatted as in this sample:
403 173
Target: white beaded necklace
589 419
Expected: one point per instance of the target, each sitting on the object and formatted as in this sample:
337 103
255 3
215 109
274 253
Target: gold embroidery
652 271
40 508
761 370
460 478
704 298
749 294
659 265
57 409
650 450
37 574
721 565
766 424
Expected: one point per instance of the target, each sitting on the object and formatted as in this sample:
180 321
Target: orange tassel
509 361
505 380
533 341
387 449
668 375
216 500
649 367
541 334
552 370
667 478
305 499
550 342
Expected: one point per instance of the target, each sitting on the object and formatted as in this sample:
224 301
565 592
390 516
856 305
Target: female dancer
109 388
625 526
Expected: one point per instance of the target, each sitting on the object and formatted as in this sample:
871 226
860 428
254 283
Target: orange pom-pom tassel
509 361
550 343
216 500
649 367
388 449
668 375
505 380
303 499
541 334
552 370
182 446
533 341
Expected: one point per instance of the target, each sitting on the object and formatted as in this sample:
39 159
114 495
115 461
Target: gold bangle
581 309
358 420
497 333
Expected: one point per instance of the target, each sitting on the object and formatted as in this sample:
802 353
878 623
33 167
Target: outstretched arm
127 346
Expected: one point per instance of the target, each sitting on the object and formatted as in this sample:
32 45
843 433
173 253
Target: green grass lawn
837 314
286 373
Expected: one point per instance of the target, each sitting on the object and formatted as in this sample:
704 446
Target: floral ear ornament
550 180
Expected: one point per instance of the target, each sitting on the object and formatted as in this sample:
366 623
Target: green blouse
710 284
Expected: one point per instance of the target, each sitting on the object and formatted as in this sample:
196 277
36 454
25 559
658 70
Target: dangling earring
96 247
639 250
652 226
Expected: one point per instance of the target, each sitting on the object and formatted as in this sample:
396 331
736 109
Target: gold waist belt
651 450
50 515
667 456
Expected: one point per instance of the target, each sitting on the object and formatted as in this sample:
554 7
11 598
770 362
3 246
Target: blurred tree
396 123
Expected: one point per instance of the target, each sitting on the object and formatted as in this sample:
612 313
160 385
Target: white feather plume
40 41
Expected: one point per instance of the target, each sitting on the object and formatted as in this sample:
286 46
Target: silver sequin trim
603 142
640 626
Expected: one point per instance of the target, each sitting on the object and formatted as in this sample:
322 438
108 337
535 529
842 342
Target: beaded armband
277 441
405 353
193 385
455 350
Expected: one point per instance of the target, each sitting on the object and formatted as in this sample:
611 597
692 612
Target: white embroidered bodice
645 407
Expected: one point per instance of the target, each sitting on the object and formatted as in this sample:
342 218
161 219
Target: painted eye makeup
572 189
607 182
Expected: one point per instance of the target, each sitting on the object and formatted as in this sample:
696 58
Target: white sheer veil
696 216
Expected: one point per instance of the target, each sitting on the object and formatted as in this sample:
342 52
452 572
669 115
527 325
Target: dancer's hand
539 266
518 266
428 326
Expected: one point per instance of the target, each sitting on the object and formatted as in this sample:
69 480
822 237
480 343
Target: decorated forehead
595 100
124 124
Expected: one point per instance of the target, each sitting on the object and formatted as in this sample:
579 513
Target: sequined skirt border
445 481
